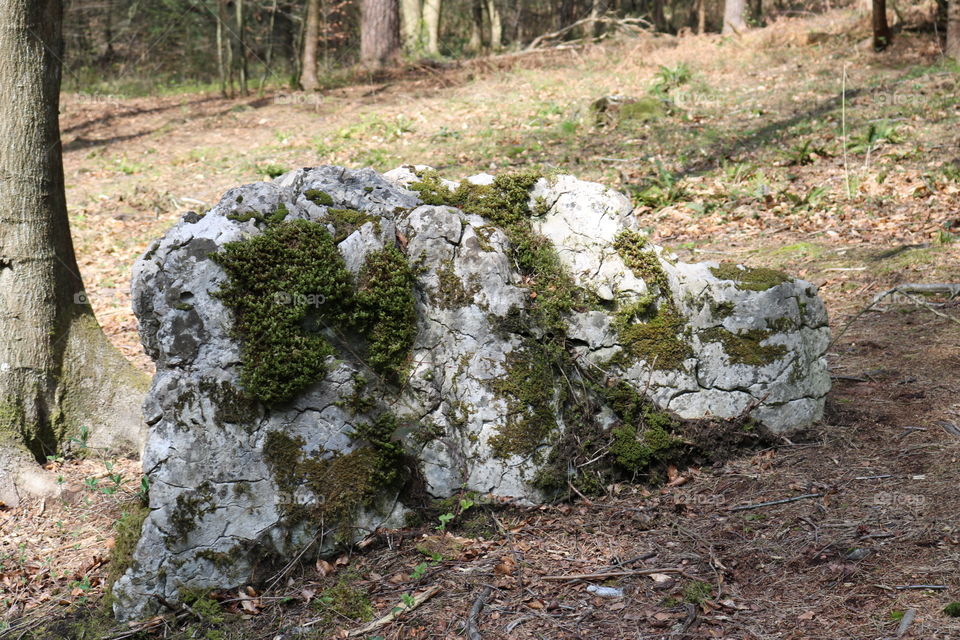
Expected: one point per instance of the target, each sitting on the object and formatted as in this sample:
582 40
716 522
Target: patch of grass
697 592
343 601
127 528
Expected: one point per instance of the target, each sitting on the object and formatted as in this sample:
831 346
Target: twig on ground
934 587
395 613
611 574
953 290
472 631
758 505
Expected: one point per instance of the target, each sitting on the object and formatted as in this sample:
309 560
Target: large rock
313 384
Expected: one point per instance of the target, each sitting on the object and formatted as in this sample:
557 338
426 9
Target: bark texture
58 373
379 32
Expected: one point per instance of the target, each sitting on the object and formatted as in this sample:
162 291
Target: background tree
881 29
311 35
733 16
953 30
379 32
58 372
432 10
412 14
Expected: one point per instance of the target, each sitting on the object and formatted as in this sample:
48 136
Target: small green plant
811 200
697 592
446 518
896 616
876 134
663 189
271 170
952 610
804 154
668 78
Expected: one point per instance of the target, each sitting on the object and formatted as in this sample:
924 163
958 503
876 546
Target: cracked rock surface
217 507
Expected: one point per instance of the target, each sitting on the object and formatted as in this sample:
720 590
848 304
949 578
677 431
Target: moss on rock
745 347
750 278
386 312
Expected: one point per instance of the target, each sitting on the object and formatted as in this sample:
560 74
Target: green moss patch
506 203
346 221
343 483
745 347
343 601
386 310
290 291
285 286
274 217
125 540
318 197
528 389
750 278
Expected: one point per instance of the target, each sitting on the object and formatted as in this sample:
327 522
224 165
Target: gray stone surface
208 456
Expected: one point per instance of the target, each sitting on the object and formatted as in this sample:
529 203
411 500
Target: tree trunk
881 30
733 16
379 32
412 14
271 43
311 34
476 26
221 68
241 50
953 30
431 22
496 25
58 373
701 16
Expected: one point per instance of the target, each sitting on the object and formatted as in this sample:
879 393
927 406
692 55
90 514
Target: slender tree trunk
953 29
271 42
221 69
379 32
431 21
733 16
412 14
496 25
476 26
241 50
701 16
58 373
311 34
881 30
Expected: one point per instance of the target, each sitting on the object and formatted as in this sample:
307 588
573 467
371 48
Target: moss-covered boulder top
335 346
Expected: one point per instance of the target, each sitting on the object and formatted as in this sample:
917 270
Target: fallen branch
611 574
635 23
906 621
472 632
934 587
758 505
952 290
395 613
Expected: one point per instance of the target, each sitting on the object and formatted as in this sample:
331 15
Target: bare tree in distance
379 32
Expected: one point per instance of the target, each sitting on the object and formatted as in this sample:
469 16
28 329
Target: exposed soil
879 536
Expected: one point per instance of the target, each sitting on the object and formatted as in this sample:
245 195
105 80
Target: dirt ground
760 160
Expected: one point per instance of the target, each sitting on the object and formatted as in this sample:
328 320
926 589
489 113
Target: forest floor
757 159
